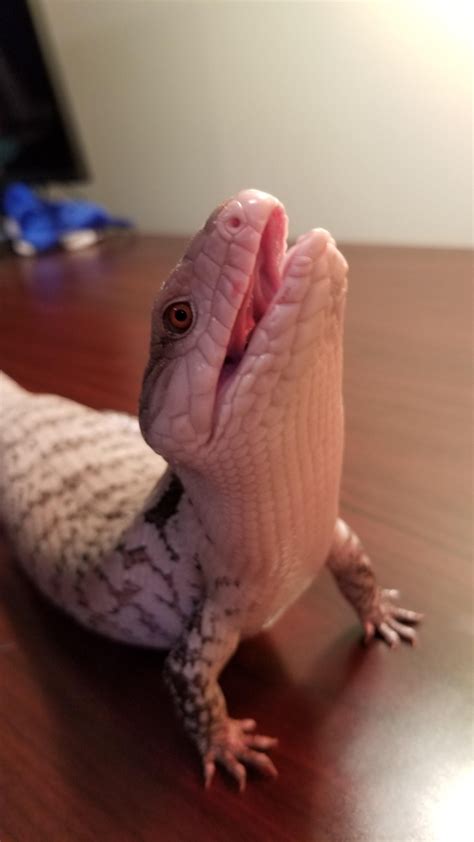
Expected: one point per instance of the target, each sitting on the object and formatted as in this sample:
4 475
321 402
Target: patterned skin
242 398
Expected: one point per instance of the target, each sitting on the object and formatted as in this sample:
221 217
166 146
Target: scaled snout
249 208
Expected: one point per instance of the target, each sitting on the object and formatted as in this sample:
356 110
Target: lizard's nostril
233 220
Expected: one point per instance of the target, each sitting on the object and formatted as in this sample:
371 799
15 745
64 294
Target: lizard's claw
391 622
235 745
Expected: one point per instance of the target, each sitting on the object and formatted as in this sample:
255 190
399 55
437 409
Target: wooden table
375 745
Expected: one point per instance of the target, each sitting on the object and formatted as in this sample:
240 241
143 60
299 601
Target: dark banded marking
163 510
96 496
139 555
48 421
124 445
167 505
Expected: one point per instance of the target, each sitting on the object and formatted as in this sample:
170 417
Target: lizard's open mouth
263 283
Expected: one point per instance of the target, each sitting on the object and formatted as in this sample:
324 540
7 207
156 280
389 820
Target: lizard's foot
390 621
235 745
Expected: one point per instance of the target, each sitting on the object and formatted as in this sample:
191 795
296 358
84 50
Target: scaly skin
242 398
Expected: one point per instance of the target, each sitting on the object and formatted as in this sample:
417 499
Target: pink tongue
263 283
244 323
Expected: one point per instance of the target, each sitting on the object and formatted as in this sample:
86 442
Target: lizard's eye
178 317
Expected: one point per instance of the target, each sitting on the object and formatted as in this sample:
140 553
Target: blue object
42 222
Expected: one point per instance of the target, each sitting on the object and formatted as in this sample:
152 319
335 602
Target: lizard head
234 326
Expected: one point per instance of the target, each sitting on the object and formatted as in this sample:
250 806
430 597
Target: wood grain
374 745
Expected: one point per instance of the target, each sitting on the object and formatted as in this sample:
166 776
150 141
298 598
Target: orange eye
178 317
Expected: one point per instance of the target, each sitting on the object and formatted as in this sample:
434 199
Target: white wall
356 114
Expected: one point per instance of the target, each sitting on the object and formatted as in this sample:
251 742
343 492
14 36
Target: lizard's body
75 501
245 404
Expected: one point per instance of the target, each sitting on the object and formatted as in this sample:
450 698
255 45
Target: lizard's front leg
375 606
191 672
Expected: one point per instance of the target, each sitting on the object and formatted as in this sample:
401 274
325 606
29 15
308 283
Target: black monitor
37 143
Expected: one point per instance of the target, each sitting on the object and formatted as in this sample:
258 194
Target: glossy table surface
375 745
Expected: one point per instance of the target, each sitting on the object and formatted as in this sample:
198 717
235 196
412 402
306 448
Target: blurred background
358 115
